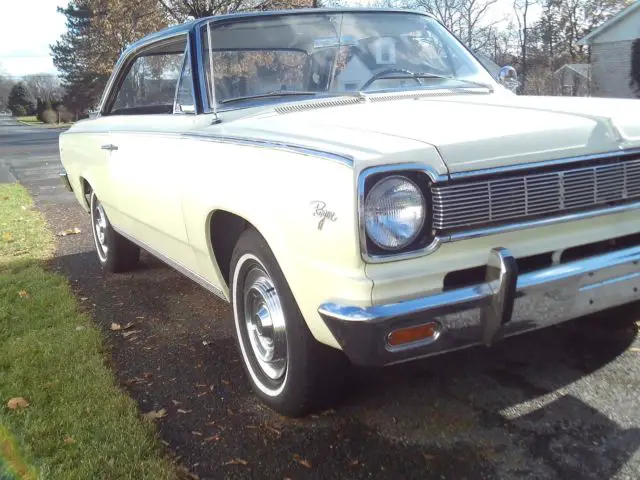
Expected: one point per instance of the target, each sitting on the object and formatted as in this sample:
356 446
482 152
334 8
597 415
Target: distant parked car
360 189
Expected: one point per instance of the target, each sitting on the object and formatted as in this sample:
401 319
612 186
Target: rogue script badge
320 210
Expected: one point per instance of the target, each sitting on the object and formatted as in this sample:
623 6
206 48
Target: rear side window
150 85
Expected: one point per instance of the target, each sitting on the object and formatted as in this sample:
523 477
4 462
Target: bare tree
44 86
181 10
6 83
522 10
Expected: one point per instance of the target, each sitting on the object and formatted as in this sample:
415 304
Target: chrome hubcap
264 322
100 230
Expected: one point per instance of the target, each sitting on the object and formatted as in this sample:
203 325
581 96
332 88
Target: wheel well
86 190
225 229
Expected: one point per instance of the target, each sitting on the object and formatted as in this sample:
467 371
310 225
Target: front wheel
288 369
115 253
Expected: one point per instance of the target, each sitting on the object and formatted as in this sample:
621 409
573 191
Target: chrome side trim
174 264
362 234
542 164
64 178
275 145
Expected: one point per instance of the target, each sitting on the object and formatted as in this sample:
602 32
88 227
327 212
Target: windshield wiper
274 93
441 77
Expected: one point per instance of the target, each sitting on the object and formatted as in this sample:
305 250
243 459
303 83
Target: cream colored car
360 189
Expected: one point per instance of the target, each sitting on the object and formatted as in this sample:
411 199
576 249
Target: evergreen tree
20 101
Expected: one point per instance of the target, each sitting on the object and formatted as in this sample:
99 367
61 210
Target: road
558 403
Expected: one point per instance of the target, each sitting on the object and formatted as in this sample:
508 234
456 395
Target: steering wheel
381 74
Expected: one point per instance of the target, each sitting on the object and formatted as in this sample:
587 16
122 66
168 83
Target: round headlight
394 212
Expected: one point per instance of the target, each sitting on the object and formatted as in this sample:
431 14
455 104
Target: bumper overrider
505 304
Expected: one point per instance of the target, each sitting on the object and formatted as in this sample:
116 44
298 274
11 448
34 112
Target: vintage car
359 188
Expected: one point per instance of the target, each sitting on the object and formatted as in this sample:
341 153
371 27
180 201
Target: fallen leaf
212 438
236 461
7 237
69 440
634 349
69 231
79 328
23 294
129 333
226 382
354 463
205 343
128 326
428 457
180 410
17 402
154 414
302 461
199 434
175 402
210 424
139 318
116 326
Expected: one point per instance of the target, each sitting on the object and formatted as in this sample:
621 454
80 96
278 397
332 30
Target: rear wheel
288 369
115 253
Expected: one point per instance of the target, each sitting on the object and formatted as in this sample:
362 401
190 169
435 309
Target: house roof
582 69
588 40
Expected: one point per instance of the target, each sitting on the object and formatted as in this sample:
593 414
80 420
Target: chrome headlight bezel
416 229
425 242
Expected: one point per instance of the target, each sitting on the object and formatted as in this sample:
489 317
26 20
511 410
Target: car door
144 147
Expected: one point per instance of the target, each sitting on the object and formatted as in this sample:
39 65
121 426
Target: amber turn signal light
403 336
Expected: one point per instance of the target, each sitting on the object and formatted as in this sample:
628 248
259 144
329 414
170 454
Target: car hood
470 132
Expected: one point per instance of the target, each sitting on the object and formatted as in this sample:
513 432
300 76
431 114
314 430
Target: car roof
186 27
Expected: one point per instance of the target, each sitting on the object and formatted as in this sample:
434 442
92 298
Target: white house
610 46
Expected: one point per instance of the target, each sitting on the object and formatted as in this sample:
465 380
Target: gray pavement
558 403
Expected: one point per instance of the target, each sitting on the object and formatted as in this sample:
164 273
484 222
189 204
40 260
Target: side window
184 96
150 85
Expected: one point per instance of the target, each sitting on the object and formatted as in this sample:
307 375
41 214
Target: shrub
18 110
19 97
42 107
49 116
65 115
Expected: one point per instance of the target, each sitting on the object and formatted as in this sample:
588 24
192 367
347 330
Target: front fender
305 208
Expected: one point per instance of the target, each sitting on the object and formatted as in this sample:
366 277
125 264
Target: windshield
333 53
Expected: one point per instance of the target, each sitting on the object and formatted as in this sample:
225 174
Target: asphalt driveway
558 403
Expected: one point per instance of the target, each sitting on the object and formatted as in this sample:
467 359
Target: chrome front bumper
505 304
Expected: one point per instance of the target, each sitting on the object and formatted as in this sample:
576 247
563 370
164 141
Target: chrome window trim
130 55
360 197
187 57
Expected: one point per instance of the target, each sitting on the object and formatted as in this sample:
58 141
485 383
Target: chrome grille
502 200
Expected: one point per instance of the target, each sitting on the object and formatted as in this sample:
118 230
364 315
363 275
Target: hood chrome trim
274 145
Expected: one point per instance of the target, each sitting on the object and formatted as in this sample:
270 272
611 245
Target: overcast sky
28 28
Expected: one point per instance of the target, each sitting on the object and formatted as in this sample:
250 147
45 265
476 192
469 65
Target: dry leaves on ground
155 414
7 237
23 294
69 231
69 440
236 461
116 326
302 461
16 403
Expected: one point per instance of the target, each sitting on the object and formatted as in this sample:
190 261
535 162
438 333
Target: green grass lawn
32 120
77 424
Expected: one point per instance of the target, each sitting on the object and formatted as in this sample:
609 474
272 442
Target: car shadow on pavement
532 405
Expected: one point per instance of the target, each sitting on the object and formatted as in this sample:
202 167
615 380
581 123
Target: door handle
109 147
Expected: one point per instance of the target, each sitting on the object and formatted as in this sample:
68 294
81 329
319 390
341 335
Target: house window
385 52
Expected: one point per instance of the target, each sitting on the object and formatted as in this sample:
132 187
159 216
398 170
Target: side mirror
508 77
